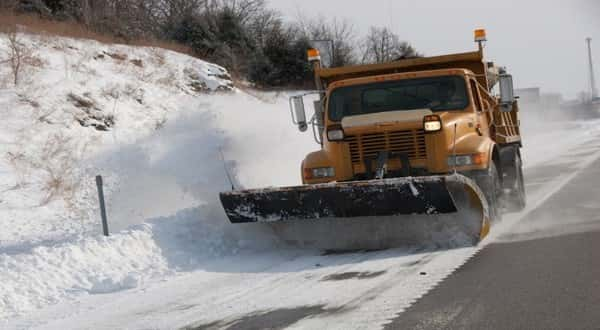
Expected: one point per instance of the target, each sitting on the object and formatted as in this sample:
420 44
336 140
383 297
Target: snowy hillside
78 98
156 124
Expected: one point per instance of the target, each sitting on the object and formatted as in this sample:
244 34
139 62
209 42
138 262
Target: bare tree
340 32
382 45
263 24
243 10
172 12
8 5
19 56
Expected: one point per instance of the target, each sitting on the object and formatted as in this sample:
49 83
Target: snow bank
77 98
151 123
99 265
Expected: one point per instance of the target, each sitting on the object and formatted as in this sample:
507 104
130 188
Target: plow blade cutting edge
366 214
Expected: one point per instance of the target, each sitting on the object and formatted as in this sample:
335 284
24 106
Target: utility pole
592 77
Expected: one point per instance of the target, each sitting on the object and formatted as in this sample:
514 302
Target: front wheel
489 183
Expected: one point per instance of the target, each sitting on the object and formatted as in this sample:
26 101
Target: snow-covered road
296 289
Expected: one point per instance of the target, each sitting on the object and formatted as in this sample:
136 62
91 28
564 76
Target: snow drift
163 129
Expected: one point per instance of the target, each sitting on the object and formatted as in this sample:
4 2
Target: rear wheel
514 189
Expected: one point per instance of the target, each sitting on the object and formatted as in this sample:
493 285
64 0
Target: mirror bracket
298 111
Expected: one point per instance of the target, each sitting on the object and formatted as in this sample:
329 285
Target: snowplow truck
420 150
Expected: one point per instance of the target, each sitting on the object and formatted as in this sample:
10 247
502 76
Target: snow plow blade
385 211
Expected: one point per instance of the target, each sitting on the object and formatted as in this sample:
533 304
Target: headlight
466 160
460 161
335 133
322 172
432 123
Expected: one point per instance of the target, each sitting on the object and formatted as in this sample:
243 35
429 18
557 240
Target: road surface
540 269
544 274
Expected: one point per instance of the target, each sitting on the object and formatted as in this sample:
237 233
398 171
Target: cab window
476 96
446 93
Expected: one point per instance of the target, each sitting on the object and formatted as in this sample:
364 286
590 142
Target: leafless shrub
134 92
55 162
19 56
111 91
158 56
71 29
8 5
60 155
14 159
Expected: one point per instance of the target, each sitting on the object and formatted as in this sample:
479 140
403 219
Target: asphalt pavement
545 274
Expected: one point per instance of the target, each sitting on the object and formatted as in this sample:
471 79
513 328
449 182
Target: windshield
437 93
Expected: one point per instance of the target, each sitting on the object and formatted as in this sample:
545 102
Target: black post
102 205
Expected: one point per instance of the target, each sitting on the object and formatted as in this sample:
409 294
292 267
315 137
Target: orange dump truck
422 149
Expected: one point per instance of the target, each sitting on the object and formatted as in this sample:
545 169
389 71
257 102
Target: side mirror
507 92
298 112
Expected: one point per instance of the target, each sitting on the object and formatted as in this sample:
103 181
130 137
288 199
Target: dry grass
20 57
70 29
58 161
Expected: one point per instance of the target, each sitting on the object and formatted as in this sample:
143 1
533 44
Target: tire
490 184
515 195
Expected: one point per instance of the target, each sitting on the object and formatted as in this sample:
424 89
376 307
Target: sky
541 42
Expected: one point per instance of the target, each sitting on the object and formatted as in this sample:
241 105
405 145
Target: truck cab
415 117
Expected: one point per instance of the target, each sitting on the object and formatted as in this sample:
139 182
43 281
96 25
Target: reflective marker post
99 184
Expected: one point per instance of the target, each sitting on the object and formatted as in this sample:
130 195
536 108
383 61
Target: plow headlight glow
323 172
432 123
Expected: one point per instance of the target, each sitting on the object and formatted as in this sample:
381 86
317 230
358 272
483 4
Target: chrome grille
367 146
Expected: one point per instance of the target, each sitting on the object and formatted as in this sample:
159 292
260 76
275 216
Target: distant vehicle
410 150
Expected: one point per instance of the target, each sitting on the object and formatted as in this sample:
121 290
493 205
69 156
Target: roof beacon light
480 35
313 55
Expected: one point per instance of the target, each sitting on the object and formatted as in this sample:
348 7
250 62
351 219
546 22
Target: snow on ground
75 82
157 127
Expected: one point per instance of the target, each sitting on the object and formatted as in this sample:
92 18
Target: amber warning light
314 55
480 35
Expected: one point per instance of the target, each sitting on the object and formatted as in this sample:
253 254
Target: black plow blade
389 197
